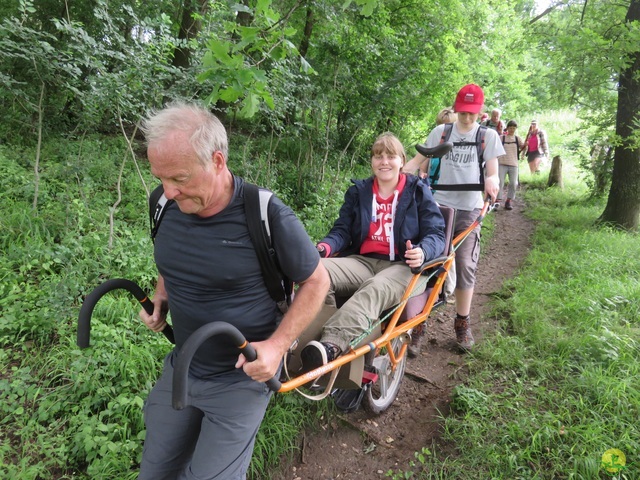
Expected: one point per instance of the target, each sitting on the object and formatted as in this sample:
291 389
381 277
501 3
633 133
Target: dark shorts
533 156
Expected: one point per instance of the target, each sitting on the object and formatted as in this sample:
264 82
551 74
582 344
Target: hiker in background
388 224
494 121
536 146
446 115
432 167
508 163
209 271
475 147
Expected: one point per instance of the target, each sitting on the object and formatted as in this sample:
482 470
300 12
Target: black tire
381 394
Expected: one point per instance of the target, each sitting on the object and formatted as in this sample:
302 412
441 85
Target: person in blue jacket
388 224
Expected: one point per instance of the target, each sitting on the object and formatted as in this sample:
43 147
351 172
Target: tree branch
550 9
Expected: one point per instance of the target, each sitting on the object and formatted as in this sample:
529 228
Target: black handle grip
439 150
188 350
84 318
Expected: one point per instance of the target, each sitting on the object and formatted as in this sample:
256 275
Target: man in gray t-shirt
209 271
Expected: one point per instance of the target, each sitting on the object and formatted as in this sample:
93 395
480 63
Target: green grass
558 384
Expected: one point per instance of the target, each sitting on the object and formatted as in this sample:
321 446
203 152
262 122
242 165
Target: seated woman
388 224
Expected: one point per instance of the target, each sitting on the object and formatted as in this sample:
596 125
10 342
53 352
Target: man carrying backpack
209 270
469 169
495 122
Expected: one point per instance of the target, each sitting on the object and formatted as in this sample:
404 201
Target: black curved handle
438 151
188 350
84 318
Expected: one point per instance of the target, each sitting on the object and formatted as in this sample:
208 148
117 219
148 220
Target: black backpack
518 149
280 288
479 144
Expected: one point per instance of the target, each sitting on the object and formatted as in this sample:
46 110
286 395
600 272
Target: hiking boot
508 206
464 337
413 350
316 354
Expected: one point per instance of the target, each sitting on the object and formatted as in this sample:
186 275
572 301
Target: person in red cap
468 170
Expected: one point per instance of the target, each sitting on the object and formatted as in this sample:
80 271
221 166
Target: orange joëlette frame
394 329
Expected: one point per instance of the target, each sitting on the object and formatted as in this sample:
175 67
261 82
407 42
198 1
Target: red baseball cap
470 99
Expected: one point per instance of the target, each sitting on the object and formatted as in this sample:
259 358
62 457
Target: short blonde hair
446 115
388 143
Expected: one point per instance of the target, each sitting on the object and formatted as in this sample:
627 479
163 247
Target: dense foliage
303 87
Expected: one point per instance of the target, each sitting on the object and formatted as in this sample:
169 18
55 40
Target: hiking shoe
316 354
508 206
464 337
413 350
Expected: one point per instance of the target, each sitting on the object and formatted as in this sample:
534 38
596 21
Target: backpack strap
256 208
433 178
480 134
446 132
158 204
518 148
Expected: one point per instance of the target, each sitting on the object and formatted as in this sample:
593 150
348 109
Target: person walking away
208 270
508 163
430 168
536 147
388 224
467 163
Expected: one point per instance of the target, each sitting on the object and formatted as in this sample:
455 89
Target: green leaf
306 66
268 99
230 94
220 50
250 106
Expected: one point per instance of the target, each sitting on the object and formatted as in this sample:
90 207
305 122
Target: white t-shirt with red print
380 238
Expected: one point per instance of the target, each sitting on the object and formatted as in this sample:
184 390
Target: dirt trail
363 446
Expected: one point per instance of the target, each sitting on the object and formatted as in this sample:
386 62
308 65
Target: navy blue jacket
418 219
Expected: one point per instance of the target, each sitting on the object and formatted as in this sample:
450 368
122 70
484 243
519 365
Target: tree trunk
308 29
555 175
623 204
189 28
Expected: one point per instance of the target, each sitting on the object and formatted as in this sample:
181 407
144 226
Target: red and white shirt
383 211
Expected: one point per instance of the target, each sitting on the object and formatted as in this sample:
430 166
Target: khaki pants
374 286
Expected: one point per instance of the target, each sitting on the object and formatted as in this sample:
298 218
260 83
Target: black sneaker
496 205
316 354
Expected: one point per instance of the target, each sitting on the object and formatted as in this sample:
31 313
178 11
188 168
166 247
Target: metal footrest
348 400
